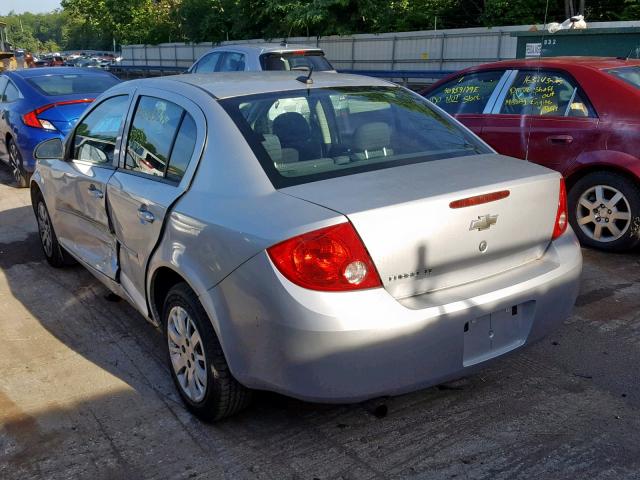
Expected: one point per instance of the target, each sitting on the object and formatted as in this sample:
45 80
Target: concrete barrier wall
424 50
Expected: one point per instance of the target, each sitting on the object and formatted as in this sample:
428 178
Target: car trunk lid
419 243
64 112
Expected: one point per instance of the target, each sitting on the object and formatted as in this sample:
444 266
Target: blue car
41 103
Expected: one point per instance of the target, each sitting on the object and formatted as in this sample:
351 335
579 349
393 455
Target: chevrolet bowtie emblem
483 222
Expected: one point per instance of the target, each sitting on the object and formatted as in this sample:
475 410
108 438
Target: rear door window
161 139
208 63
95 137
467 94
232 62
545 93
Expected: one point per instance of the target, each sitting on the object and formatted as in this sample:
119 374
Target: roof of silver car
260 48
226 85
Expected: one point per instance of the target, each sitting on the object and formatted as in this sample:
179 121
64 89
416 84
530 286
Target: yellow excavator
7 55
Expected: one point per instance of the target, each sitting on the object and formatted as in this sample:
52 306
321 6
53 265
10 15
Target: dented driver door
80 219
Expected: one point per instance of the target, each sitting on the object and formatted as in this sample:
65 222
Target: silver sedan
333 238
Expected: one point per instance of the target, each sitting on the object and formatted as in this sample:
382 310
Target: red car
50 62
577 115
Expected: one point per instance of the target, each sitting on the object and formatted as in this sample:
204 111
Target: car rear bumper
337 347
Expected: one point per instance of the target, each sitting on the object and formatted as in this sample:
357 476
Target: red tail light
330 259
31 119
562 217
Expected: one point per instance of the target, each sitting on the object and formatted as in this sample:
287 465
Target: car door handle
560 139
145 215
96 192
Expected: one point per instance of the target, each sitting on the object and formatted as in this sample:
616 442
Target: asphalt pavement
85 393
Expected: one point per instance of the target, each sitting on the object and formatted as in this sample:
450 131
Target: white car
261 56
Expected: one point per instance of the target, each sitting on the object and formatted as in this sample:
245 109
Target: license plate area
497 333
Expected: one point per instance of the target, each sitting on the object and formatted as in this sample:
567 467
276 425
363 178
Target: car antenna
629 54
306 79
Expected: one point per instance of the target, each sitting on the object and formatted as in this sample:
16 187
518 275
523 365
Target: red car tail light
329 259
562 216
32 119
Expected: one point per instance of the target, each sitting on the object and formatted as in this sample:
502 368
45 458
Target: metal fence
408 51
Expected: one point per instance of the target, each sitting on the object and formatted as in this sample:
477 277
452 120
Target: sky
33 6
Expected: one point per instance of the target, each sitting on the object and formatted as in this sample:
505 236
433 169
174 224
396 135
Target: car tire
604 211
53 252
20 175
196 360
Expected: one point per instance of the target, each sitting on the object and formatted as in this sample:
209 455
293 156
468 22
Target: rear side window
308 135
545 93
207 64
232 62
72 84
466 94
95 137
631 75
11 93
161 139
182 149
3 84
301 60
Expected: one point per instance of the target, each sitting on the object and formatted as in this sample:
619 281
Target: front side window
95 137
161 139
544 93
307 135
466 94
631 75
207 64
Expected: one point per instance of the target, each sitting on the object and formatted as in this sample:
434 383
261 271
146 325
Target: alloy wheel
187 354
603 213
16 167
44 228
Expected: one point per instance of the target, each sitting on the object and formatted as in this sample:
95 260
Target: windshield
295 60
631 75
307 135
72 83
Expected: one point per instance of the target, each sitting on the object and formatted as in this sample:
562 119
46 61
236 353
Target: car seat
293 131
372 140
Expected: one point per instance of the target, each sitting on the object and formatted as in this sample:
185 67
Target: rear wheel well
163 280
580 174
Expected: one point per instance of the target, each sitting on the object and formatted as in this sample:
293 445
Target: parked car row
326 236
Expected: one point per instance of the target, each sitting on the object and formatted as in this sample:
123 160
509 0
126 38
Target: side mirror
51 149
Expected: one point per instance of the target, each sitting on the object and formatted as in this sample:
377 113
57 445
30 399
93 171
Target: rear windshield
295 61
307 135
631 75
72 83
